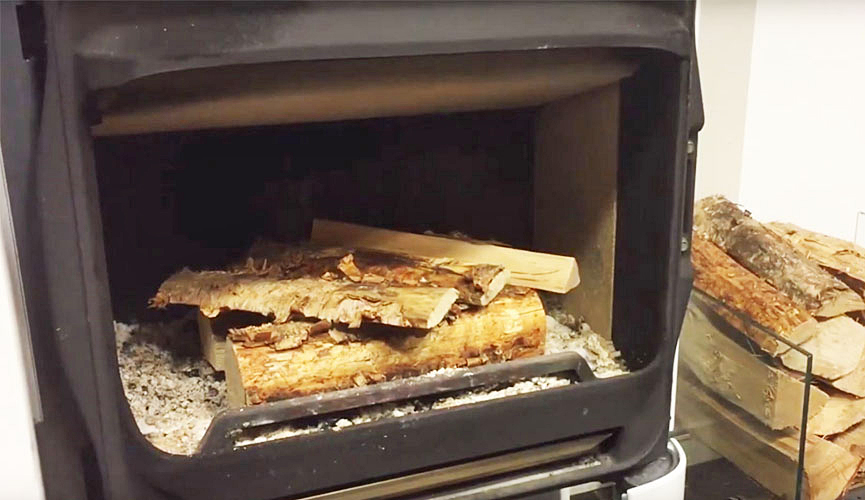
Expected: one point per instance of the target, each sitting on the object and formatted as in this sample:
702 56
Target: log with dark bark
720 277
844 259
511 326
768 256
476 284
339 301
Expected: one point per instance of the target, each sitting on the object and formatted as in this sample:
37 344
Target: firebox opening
506 162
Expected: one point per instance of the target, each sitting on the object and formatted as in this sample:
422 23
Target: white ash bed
174 393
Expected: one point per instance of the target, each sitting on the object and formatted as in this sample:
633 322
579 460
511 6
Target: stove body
76 71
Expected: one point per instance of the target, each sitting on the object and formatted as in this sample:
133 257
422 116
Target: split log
765 254
854 382
841 412
844 259
723 279
769 457
741 377
338 301
279 336
511 326
212 333
837 349
476 284
542 271
212 345
852 440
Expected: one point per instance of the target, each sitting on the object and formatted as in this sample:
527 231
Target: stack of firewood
742 389
359 305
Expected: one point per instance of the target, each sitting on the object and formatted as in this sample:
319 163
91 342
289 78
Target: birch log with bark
511 326
768 256
338 301
476 284
720 277
844 259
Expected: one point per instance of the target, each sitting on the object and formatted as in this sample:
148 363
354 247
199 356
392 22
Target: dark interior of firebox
200 199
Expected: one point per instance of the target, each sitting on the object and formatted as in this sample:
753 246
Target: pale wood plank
554 273
769 457
769 394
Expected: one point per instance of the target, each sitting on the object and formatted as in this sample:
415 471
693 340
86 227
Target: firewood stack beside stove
357 306
742 389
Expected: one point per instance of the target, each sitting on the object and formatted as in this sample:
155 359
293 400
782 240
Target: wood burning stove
155 135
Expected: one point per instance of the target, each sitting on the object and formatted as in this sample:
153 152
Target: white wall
803 155
724 39
20 472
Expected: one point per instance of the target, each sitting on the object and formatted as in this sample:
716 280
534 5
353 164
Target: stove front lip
144 38
330 460
64 265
